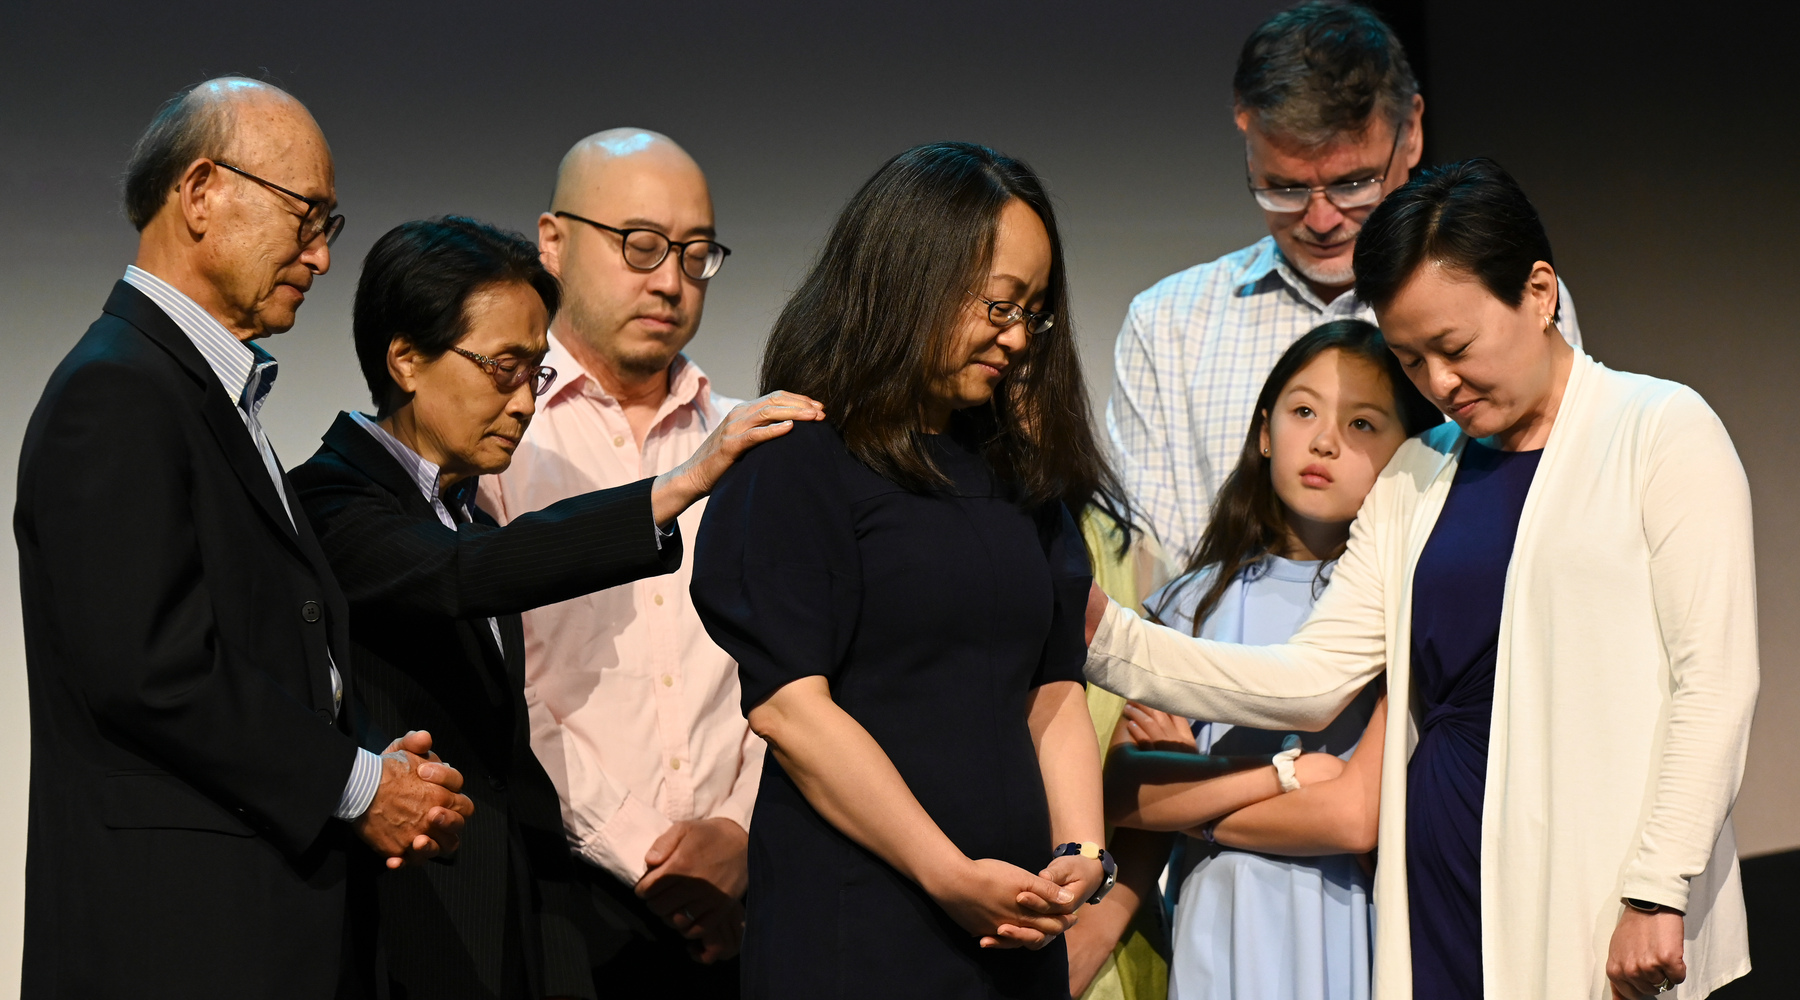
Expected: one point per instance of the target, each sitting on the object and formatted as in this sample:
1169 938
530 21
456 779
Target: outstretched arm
1335 816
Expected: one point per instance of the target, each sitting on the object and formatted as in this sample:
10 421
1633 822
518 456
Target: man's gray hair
1318 72
195 123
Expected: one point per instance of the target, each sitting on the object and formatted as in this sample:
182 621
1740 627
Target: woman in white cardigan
1578 842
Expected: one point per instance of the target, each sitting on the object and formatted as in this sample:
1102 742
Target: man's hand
417 812
699 870
1151 729
1645 953
745 427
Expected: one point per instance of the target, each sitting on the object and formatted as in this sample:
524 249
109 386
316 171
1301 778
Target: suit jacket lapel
219 411
368 457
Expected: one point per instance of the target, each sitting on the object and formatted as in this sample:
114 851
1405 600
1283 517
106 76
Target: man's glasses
1347 195
646 249
508 375
316 221
1002 313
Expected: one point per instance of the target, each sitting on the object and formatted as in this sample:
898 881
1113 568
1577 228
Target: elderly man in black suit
451 327
200 810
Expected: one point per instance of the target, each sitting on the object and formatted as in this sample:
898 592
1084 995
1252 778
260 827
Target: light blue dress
1252 926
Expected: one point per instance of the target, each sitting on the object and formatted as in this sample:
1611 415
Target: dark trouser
653 960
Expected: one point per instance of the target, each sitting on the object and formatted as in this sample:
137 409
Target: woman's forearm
850 780
1069 760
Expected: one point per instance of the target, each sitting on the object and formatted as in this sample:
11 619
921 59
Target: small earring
1546 322
1265 453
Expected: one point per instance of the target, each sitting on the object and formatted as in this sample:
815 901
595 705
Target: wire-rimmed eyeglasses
646 249
1343 196
316 221
509 374
1003 314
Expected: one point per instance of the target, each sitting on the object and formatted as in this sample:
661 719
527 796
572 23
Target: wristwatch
1108 868
1643 905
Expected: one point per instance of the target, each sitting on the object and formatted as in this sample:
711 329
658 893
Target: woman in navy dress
903 590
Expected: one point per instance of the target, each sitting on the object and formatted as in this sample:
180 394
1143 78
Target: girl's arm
853 784
1175 789
1337 816
1063 732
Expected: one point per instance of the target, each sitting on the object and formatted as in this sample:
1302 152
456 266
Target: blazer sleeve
1703 577
1301 684
384 555
108 487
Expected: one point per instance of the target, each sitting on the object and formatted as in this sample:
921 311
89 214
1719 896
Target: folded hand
417 812
1005 905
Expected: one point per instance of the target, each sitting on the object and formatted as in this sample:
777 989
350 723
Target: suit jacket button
499 784
324 715
310 611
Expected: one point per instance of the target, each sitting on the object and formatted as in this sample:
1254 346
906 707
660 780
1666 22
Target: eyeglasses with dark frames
508 375
646 249
1344 196
315 222
1002 313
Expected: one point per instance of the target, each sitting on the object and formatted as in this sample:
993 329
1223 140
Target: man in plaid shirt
1331 117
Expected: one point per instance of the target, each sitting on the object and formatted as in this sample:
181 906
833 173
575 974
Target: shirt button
658 600
310 611
618 441
668 681
675 762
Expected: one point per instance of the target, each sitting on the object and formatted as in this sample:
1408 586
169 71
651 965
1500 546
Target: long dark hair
1248 519
870 326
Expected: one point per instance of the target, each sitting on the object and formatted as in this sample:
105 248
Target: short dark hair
194 123
1471 217
868 330
1321 70
1248 522
417 279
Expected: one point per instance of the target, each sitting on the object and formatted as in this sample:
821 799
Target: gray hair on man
1319 72
194 124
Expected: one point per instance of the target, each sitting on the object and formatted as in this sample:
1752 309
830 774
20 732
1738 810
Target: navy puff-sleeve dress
933 616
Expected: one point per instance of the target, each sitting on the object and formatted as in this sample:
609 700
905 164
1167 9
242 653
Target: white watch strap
1284 769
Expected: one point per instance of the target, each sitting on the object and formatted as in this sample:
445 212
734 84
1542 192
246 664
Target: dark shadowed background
1661 151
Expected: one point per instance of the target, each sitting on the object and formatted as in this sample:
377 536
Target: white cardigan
1626 679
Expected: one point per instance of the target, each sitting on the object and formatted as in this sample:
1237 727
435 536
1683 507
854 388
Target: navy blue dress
1458 588
933 616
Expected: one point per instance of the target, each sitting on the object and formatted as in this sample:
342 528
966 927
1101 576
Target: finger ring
688 914
1664 986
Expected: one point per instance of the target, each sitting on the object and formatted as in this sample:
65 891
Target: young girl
1272 893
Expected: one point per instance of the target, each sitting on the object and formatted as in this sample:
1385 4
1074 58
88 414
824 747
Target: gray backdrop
1655 149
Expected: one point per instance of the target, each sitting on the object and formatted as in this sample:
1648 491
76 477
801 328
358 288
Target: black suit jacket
498 914
185 763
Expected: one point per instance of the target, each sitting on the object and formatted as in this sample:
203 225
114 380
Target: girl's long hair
870 328
1249 521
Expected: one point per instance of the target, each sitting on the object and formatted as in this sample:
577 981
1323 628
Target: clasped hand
1008 907
418 810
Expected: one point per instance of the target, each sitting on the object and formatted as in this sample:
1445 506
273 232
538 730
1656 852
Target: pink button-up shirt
634 710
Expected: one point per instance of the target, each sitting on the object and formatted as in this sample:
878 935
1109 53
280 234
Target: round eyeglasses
1003 314
316 221
1343 196
509 374
646 249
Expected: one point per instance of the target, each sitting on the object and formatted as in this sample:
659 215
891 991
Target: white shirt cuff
662 533
359 791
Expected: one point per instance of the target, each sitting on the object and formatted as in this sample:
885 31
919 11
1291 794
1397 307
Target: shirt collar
1267 259
245 370
422 471
688 385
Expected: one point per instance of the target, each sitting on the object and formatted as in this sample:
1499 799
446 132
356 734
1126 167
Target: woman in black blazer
450 325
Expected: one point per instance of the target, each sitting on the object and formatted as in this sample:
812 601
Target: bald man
634 710
197 798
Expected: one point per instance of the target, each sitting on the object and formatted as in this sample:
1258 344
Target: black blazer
496 916
185 763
